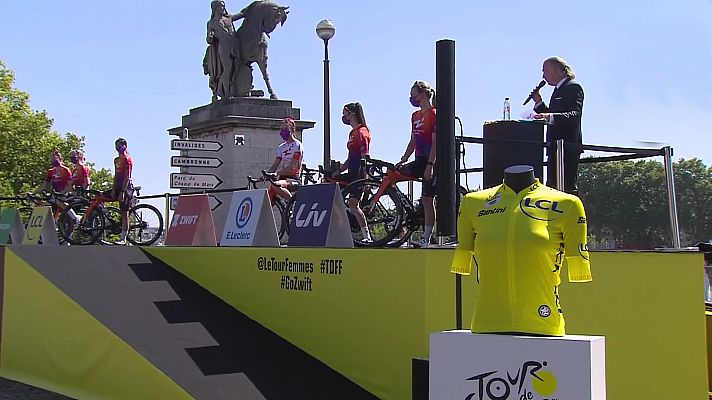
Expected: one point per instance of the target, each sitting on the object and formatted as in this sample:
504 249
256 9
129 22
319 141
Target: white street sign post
202 145
213 201
194 181
204 162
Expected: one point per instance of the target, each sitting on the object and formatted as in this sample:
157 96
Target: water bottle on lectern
507 111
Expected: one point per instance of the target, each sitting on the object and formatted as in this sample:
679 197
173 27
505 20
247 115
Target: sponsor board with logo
192 222
41 228
319 218
469 366
250 221
11 226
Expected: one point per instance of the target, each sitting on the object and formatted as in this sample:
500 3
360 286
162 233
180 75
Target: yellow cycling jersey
518 243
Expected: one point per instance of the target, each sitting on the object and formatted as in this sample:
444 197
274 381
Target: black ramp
207 347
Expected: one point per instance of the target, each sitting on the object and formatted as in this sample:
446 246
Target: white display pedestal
469 366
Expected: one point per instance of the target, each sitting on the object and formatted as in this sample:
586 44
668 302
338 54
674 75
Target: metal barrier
634 153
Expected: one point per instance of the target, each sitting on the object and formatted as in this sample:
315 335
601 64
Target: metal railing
632 153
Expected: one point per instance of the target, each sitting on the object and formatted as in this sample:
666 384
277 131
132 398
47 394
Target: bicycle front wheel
145 225
85 229
383 216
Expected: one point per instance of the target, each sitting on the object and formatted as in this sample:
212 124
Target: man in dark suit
563 118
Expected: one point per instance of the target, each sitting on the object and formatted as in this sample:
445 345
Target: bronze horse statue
231 53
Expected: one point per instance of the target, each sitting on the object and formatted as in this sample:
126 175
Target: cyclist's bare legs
360 217
281 189
429 211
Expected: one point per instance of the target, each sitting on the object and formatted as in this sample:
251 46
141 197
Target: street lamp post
325 30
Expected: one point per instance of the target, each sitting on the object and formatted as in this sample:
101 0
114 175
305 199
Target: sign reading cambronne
469 366
205 162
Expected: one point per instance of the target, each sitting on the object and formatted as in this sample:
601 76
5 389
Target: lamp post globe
325 29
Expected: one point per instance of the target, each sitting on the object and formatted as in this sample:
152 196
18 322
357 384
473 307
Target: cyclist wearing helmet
58 177
287 163
123 187
80 175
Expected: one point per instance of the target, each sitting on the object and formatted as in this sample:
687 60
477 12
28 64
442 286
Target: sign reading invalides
202 145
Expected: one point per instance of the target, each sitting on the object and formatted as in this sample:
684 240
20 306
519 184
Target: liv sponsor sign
319 218
468 366
249 221
192 223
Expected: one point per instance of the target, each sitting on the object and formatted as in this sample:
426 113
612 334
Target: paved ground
11 390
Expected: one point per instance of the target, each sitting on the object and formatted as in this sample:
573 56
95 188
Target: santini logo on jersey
482 213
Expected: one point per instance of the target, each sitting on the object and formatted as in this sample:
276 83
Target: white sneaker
422 243
367 239
120 243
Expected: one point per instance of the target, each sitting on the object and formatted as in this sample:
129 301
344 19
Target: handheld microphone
536 89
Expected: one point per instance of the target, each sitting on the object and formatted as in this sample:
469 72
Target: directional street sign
214 202
205 162
195 181
202 145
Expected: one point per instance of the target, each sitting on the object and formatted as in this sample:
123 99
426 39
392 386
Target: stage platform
100 322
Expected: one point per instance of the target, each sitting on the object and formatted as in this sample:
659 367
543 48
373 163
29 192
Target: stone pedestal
255 123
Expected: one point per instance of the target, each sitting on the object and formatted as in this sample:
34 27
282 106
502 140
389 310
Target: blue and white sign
319 218
249 221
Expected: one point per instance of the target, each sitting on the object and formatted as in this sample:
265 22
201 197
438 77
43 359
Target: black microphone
536 89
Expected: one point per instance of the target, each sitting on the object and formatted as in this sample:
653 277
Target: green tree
27 140
627 204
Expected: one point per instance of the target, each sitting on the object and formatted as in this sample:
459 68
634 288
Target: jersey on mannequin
519 235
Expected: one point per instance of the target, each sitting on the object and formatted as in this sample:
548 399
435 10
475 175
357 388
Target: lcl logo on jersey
528 206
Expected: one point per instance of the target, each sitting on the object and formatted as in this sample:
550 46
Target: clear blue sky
133 68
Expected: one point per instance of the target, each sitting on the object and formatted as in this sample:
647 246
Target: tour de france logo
531 381
244 212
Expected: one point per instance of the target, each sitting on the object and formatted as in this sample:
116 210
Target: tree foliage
627 203
27 140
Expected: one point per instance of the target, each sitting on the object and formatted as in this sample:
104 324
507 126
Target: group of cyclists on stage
62 180
289 156
286 169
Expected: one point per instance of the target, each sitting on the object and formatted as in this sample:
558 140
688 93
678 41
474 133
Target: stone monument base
248 129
